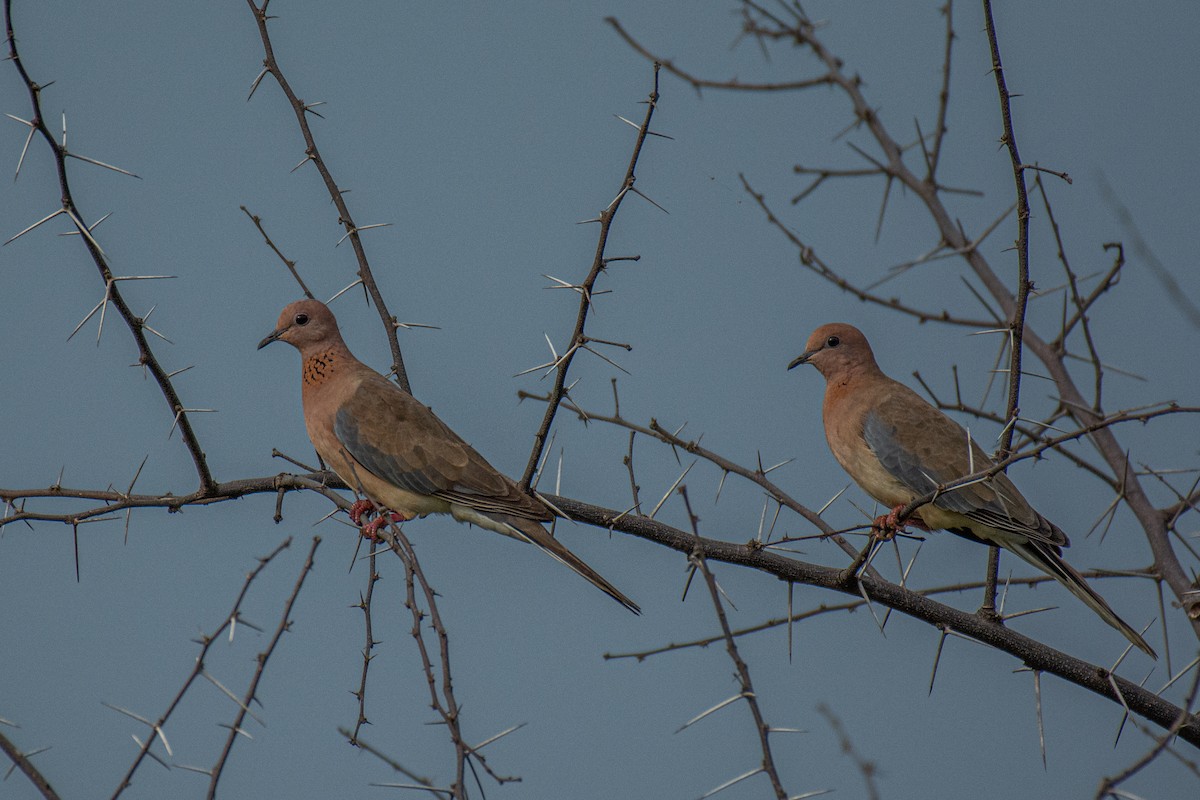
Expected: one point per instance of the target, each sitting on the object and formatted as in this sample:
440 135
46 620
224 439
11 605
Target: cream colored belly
385 494
876 481
407 503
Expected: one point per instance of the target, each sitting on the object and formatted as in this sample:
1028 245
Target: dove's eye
302 319
832 341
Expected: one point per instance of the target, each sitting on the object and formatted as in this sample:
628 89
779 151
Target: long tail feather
1044 558
535 534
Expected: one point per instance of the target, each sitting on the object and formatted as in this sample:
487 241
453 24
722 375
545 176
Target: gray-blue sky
483 133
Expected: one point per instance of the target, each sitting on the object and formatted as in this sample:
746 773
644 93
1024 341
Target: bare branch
599 263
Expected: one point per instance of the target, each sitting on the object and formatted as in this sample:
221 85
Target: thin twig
599 263
250 696
697 560
137 325
198 668
336 193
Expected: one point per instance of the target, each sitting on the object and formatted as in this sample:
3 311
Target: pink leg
360 509
887 526
371 529
365 508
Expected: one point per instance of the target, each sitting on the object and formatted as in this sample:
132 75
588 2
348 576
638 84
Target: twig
336 194
865 768
1031 653
23 763
287 262
599 263
697 560
198 668
137 325
368 648
250 696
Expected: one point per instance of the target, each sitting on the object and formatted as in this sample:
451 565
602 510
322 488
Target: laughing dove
395 451
898 447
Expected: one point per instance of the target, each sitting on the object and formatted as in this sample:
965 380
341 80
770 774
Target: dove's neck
322 364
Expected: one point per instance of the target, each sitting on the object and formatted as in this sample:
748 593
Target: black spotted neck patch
319 368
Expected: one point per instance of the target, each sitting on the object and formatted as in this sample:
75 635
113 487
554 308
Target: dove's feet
887 526
360 509
365 508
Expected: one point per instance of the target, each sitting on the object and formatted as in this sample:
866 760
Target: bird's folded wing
401 441
923 449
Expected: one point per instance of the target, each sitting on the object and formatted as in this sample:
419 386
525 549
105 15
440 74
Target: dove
897 447
391 448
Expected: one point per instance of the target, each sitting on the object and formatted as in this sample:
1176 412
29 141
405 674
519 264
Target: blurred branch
1175 293
865 768
22 762
302 110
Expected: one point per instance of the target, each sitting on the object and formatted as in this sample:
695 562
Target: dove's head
837 350
306 325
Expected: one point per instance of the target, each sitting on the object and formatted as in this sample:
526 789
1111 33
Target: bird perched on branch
393 450
899 448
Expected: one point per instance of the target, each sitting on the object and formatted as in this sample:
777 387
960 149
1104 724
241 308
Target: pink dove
898 447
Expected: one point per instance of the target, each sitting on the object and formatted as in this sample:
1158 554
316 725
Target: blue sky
483 133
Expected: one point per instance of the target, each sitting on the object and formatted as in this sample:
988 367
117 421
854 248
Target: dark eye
302 319
832 341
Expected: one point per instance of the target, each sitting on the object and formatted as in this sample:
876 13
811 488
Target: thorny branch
753 555
821 609
599 264
1016 323
137 325
697 561
198 668
866 768
437 675
1162 744
364 603
797 29
1031 653
22 762
285 624
336 193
